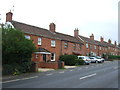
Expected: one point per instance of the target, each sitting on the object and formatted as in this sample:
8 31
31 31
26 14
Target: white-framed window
53 43
91 46
86 45
65 44
80 47
52 56
36 56
27 37
74 46
39 41
100 48
94 46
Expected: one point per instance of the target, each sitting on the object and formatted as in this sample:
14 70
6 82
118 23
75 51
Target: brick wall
53 65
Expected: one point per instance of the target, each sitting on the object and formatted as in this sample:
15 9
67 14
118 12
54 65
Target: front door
44 57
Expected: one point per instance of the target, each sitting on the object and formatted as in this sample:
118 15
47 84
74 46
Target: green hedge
79 62
71 60
16 69
113 57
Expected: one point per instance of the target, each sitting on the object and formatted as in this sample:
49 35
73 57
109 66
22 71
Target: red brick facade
55 44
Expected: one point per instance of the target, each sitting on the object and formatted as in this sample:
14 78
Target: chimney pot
9 16
101 39
92 37
76 32
52 27
115 43
109 41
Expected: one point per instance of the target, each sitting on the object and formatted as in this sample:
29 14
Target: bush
16 52
113 57
69 59
7 69
79 61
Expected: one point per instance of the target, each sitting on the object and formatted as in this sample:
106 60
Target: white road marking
19 79
61 72
29 78
92 66
86 67
71 70
88 76
49 74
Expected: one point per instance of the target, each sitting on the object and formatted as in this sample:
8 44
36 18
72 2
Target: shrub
113 57
7 69
79 61
69 59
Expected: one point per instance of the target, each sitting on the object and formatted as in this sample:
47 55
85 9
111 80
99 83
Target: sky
99 17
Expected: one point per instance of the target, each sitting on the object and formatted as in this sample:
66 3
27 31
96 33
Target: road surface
101 75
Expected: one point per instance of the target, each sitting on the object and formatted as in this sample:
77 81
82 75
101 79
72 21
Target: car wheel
96 61
88 63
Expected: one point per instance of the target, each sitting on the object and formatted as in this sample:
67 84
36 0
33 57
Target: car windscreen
98 57
81 57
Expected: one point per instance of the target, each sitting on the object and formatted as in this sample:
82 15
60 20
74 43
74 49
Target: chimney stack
92 37
109 41
101 39
115 43
9 16
76 32
52 27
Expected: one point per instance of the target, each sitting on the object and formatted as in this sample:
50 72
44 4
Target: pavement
101 75
26 75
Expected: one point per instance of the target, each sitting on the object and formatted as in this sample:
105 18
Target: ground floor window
52 56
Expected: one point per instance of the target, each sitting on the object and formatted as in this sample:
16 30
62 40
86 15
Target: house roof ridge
31 25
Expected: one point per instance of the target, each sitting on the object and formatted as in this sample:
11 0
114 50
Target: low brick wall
53 65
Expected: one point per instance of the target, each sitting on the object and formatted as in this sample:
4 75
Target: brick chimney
92 37
52 27
9 16
109 41
101 39
76 32
115 43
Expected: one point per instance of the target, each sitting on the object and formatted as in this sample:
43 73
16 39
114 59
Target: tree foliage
16 49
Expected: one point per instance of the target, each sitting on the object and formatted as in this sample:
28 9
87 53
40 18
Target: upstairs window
80 46
100 48
95 47
74 46
65 44
53 43
86 45
27 37
90 46
39 41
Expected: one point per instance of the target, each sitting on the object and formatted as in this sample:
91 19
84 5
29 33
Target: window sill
53 46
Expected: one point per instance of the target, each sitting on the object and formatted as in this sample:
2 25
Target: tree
16 49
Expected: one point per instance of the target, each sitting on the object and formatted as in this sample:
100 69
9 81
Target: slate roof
42 50
44 32
88 40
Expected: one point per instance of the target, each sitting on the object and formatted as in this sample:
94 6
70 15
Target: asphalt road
101 75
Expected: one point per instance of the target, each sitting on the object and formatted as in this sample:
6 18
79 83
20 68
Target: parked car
97 59
94 59
102 59
86 59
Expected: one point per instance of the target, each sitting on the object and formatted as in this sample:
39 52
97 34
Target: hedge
71 60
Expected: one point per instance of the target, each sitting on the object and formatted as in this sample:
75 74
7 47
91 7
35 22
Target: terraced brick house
49 43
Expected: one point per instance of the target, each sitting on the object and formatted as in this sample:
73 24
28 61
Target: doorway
44 57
